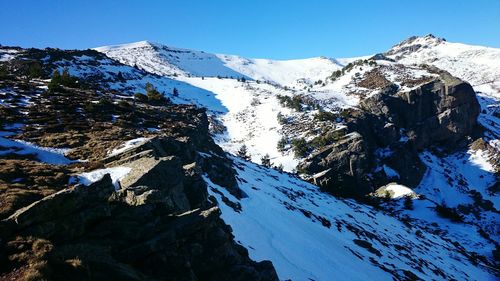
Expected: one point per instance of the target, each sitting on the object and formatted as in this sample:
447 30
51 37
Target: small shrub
294 102
335 75
325 116
65 79
4 72
124 104
141 97
300 147
89 107
35 70
327 139
408 203
282 144
282 119
447 212
154 97
279 167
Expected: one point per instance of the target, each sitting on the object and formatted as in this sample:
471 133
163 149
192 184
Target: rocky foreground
158 222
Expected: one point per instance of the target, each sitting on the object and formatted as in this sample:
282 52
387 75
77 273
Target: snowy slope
164 60
247 109
475 64
309 235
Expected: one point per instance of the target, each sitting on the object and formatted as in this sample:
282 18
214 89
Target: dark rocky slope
159 225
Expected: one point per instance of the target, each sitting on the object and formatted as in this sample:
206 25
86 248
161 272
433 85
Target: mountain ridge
443 227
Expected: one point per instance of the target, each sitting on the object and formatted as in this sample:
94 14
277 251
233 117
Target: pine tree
279 167
243 153
35 70
408 203
120 77
266 160
175 92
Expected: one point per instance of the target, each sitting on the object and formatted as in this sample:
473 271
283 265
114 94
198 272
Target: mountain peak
139 44
415 43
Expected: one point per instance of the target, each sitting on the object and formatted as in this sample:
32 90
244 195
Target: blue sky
270 29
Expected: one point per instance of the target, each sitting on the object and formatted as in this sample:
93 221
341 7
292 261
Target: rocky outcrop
340 166
442 111
160 225
91 232
389 129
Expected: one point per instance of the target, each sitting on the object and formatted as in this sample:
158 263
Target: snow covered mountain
433 214
257 117
250 109
164 60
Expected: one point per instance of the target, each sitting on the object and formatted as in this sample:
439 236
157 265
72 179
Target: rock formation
440 112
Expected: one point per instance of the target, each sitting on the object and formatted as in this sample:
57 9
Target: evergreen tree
266 160
175 92
243 153
55 82
120 77
279 167
153 95
408 203
4 72
281 144
35 70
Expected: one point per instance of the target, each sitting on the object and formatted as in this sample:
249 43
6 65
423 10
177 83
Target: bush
35 70
105 102
65 79
89 107
282 119
281 144
294 102
345 113
300 147
327 139
141 97
335 75
279 167
4 72
408 203
124 104
154 96
120 77
447 212
325 116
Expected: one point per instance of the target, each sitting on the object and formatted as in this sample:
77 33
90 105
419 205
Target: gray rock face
441 113
341 166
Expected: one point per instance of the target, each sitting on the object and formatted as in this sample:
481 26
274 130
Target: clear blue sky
272 29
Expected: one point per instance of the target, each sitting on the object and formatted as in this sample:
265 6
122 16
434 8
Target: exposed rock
442 112
341 167
374 79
